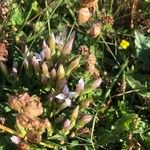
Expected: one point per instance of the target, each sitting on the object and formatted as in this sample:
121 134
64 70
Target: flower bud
26 51
74 64
83 121
14 69
15 139
95 30
61 83
33 137
49 127
52 42
35 64
74 116
96 83
83 15
60 72
53 74
46 53
80 86
66 127
45 69
68 46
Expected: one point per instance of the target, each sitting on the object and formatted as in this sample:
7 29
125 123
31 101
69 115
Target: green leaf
136 85
17 17
142 46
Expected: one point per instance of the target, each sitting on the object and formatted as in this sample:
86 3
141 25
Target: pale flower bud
96 83
83 15
15 139
66 126
83 121
53 74
46 53
26 63
68 47
74 63
35 64
26 51
74 115
52 42
80 86
45 69
60 72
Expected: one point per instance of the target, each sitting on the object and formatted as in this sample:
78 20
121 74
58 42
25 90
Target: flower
124 44
46 52
35 61
80 85
15 139
96 83
66 95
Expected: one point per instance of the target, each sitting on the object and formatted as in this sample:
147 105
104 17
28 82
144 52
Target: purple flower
66 95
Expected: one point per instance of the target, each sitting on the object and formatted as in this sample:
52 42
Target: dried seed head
29 109
84 131
88 3
95 30
18 102
107 19
83 15
84 50
35 124
23 146
3 52
33 137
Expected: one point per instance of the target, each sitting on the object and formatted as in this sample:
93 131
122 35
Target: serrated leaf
17 17
142 47
136 85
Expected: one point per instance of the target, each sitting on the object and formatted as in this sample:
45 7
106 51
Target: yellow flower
124 44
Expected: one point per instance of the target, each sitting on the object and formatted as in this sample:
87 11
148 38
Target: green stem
116 78
6 129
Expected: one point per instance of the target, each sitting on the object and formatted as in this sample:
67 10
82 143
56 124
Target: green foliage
34 102
142 46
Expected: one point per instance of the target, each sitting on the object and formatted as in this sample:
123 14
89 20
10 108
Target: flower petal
72 94
68 101
66 90
60 96
15 139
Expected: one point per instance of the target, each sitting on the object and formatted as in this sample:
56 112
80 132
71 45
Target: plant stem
116 78
6 129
